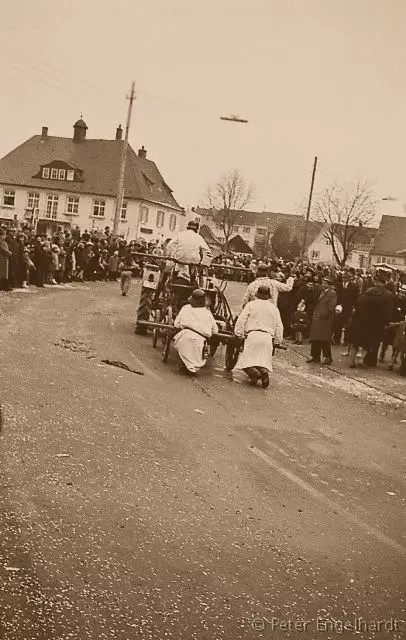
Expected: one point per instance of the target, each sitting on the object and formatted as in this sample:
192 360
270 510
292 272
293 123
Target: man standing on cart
190 248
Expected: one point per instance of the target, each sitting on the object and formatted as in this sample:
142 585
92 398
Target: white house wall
85 219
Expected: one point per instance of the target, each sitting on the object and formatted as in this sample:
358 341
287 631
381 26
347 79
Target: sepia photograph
202 320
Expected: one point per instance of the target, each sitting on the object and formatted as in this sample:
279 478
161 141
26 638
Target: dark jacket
321 328
372 312
5 254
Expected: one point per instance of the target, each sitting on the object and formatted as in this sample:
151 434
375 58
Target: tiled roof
99 160
391 236
208 235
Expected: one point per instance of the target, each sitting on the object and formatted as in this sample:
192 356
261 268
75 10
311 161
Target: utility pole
120 190
308 208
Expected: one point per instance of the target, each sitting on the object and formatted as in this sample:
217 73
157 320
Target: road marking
350 517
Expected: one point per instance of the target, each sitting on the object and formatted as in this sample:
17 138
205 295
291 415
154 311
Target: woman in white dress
260 324
197 325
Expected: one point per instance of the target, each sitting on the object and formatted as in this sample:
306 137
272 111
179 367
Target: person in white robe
260 324
197 325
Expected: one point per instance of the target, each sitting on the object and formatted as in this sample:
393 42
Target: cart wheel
144 309
156 331
165 346
232 353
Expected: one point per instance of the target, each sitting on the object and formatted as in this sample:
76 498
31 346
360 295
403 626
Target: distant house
254 227
320 249
389 245
59 183
238 245
214 244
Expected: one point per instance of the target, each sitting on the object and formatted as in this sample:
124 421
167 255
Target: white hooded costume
197 324
259 322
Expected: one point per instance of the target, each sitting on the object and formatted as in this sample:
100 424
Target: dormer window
59 170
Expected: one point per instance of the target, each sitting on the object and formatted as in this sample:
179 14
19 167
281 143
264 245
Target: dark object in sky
233 119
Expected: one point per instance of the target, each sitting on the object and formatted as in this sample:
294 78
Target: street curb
359 380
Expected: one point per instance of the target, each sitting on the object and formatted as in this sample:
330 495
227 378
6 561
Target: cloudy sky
313 77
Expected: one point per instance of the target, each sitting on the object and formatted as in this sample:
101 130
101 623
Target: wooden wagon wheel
232 353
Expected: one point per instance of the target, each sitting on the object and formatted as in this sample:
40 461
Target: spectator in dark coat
321 329
372 312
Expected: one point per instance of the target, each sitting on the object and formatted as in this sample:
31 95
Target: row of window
386 260
58 174
235 229
72 206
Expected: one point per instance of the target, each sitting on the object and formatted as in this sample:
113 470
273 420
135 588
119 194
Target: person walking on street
321 328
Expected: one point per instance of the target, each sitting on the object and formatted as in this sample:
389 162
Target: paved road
157 506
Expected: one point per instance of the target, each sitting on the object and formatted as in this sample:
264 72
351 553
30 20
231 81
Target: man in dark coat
348 292
372 312
321 329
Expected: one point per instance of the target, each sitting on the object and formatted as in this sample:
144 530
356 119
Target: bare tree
345 210
228 196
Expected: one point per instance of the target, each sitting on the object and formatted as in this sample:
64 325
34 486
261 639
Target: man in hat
197 325
321 329
263 279
190 248
259 323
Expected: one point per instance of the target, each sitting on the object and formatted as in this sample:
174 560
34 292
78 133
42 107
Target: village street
158 506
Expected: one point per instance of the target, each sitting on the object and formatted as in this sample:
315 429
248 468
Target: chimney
119 132
142 153
79 131
44 132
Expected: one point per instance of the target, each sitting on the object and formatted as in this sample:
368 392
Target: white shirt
274 285
187 246
260 315
198 318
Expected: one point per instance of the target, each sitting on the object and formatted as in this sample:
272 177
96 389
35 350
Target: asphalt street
151 505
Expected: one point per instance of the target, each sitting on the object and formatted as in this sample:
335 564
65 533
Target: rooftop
99 162
390 237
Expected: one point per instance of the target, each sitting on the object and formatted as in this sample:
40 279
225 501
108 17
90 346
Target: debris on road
62 455
122 365
198 411
391 493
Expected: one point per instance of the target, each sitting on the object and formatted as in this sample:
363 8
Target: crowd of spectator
30 259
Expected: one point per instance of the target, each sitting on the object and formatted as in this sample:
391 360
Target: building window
235 229
328 243
144 215
45 172
261 232
61 174
160 219
246 229
72 205
123 215
52 207
54 174
9 197
99 208
315 255
172 222
33 201
70 174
